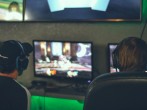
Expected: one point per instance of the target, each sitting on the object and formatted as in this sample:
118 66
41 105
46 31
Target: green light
39 102
145 9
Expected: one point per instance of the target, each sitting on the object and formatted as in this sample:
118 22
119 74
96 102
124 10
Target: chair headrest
117 91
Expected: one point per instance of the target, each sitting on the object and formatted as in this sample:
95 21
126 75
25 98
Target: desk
67 98
69 92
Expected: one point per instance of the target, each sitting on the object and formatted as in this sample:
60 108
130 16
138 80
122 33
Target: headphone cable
143 29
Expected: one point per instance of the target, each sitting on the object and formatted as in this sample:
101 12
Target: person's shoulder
11 84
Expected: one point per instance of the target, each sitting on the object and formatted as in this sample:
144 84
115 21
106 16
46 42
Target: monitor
111 48
11 10
83 10
63 60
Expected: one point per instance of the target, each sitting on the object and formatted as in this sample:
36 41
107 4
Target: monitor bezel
108 56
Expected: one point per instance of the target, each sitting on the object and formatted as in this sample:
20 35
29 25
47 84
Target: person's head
14 6
14 56
130 55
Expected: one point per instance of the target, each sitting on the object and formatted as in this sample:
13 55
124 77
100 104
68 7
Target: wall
100 33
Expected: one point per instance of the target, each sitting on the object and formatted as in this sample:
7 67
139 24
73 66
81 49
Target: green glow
144 9
39 102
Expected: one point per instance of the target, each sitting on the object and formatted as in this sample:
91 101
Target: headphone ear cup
115 59
22 60
21 64
24 63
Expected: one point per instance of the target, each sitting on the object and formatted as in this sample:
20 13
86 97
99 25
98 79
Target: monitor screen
111 48
63 59
83 10
11 10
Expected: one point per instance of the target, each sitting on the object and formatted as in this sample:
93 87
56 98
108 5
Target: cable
143 29
44 94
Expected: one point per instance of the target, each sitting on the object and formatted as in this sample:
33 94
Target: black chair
117 91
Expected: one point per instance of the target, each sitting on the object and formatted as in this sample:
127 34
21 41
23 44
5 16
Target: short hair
131 54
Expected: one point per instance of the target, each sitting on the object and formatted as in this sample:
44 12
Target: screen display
83 10
111 48
11 10
63 59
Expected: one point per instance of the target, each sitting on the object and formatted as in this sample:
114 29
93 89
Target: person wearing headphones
13 61
130 55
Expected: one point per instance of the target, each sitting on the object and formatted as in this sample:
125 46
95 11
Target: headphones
21 61
115 58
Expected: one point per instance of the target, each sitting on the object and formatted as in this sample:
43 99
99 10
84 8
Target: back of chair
117 91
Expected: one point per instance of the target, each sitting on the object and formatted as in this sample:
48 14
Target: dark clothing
12 95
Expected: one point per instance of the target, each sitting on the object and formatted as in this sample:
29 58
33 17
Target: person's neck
12 75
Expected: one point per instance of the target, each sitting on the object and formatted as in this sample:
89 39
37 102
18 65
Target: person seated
13 61
130 55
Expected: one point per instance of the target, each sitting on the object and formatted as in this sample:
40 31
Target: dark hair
131 54
14 4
